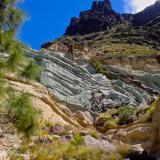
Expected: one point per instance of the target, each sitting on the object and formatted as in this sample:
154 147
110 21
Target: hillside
109 32
108 64
92 94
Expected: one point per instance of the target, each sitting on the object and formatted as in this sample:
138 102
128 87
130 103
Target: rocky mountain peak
100 17
101 5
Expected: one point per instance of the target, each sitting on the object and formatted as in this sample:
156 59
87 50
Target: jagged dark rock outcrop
142 28
100 17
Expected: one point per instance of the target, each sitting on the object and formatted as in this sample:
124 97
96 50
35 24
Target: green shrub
148 116
94 133
99 67
125 114
16 56
23 115
77 140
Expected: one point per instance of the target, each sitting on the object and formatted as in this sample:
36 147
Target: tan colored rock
66 110
82 118
137 134
44 101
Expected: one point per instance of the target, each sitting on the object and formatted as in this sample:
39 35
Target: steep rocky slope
141 28
51 112
126 49
105 61
77 84
144 135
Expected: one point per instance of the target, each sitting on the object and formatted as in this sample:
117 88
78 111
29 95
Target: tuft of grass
99 66
126 114
95 134
149 114
107 122
77 140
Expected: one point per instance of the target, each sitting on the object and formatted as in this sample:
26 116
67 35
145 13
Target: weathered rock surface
75 84
146 135
44 101
140 28
100 17
99 144
148 80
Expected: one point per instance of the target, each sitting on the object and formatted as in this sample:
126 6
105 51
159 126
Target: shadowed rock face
77 84
100 17
142 28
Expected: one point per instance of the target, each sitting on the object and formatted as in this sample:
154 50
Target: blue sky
48 19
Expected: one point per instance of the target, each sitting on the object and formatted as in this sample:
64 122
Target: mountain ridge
102 23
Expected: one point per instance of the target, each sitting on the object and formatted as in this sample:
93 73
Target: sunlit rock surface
73 83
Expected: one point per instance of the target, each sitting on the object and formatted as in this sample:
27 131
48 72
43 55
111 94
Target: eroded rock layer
77 84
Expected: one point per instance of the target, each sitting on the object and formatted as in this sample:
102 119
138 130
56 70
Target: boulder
57 129
136 134
99 144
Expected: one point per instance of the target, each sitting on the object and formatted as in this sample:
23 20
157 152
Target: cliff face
100 17
43 100
77 84
126 50
141 28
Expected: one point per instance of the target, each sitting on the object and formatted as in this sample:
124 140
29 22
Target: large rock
100 17
73 83
82 117
136 134
142 28
99 144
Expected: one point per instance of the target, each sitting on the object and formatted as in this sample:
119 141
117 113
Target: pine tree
22 114
10 15
31 71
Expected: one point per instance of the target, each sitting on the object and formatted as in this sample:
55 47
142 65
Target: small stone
26 157
106 138
70 132
69 137
84 133
57 129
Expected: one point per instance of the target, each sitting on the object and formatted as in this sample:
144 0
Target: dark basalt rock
100 17
143 27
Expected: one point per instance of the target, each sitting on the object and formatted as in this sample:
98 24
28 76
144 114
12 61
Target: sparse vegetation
95 134
31 71
149 114
77 141
22 114
126 114
99 67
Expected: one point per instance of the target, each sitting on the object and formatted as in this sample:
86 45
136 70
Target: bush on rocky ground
22 114
126 115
